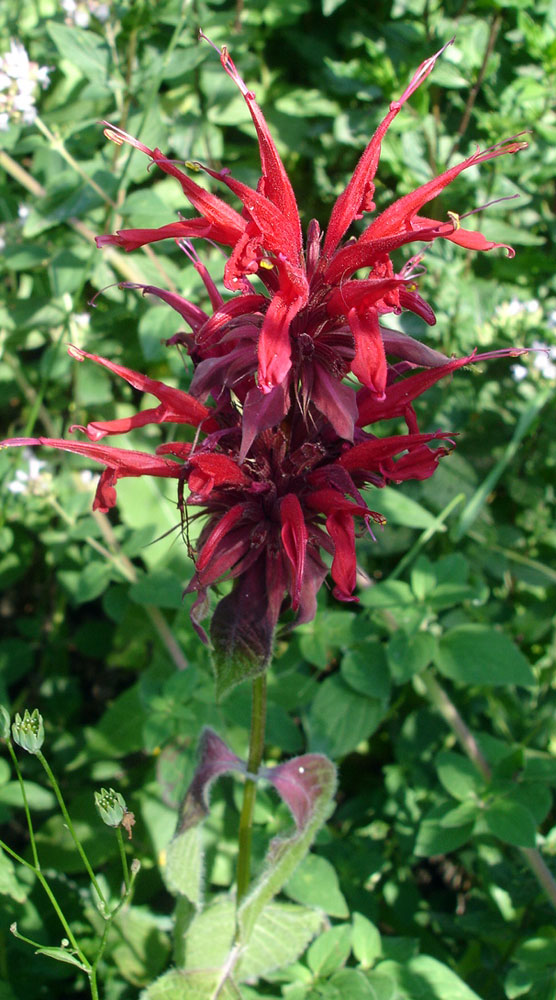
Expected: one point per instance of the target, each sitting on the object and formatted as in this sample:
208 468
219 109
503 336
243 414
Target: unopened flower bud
4 723
28 732
111 806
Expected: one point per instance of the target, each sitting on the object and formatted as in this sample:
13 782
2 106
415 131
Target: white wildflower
19 79
32 479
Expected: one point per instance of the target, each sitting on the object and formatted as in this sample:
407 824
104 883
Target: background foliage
459 588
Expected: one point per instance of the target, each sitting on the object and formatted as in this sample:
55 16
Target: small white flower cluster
543 360
515 307
34 480
79 12
19 79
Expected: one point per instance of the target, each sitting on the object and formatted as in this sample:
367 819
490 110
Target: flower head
282 443
315 321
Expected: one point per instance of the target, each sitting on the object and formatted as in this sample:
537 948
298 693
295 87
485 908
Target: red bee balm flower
277 465
315 323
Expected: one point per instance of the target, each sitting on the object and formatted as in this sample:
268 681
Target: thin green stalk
25 805
425 536
445 706
55 905
256 747
125 868
70 826
60 148
473 508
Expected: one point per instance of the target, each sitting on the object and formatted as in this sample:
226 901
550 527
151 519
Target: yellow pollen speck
156 751
455 220
162 857
192 166
412 288
266 264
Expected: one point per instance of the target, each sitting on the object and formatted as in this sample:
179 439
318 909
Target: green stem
445 706
52 898
256 747
25 805
121 846
70 826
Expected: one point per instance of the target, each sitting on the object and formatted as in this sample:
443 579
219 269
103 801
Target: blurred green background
93 621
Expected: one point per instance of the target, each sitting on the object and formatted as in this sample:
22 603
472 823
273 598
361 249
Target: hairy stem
256 747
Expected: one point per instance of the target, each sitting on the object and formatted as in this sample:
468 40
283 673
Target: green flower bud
28 732
111 806
4 723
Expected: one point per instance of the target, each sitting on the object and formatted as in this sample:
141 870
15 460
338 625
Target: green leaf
61 955
365 941
458 775
330 951
280 935
329 6
364 668
191 986
477 654
340 718
423 977
401 509
352 984
39 798
315 883
160 588
9 885
183 867
84 49
511 822
409 654
434 837
389 594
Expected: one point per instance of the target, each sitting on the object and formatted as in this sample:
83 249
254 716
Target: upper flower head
315 321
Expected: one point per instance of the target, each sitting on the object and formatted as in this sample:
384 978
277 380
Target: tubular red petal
177 406
120 464
294 540
221 469
357 197
132 239
369 363
216 538
276 184
400 216
368 455
400 395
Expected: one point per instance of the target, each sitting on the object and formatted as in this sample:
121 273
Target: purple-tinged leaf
307 784
215 758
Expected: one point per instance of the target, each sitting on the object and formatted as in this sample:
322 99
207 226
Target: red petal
275 184
468 238
401 215
121 464
400 395
219 532
369 363
294 540
357 196
219 470
368 455
176 406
